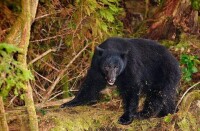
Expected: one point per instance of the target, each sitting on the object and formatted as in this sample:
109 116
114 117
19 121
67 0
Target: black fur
143 66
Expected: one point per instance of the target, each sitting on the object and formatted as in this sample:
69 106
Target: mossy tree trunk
3 121
19 36
174 17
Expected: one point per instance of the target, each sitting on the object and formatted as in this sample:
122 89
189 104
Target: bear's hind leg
168 103
152 107
159 103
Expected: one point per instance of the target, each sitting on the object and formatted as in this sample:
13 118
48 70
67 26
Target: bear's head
112 63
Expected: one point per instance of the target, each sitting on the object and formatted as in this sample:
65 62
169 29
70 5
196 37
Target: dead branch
49 38
43 16
76 31
40 97
11 101
57 94
53 103
41 88
51 88
50 65
22 109
185 94
43 77
187 101
40 56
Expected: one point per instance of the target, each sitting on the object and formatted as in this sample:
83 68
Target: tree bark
3 120
19 36
176 16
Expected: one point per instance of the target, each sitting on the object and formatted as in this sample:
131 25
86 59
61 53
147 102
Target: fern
13 74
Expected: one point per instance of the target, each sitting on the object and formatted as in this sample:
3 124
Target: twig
38 94
60 93
53 103
50 89
11 101
22 109
43 77
76 31
42 16
185 94
49 38
50 66
40 87
40 56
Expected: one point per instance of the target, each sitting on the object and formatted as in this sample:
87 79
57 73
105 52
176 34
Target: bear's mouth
111 82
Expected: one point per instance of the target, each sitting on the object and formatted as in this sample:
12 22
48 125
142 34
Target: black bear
135 66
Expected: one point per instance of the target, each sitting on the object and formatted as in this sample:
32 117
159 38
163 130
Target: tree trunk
20 35
176 16
3 121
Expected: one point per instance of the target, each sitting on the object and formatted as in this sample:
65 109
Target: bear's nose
111 81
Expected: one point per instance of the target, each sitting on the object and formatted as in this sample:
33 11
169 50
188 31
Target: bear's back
139 46
148 53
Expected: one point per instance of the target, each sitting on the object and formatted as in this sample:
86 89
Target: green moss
76 122
168 43
188 122
97 118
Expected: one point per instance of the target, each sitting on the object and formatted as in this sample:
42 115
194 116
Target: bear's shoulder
136 44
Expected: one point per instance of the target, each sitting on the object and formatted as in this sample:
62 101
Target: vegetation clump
13 74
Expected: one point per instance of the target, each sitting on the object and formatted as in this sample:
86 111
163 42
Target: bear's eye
116 67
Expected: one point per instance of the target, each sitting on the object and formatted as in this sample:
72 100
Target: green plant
43 111
168 118
195 4
13 74
100 18
189 66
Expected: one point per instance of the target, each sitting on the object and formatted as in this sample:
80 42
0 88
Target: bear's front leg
130 100
90 89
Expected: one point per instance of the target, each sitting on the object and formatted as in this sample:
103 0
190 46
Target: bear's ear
99 51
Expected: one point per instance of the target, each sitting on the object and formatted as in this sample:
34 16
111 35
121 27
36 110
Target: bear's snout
111 81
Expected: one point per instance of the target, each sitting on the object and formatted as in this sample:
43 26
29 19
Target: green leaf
190 62
114 1
105 2
11 82
16 92
188 79
27 74
44 112
195 4
13 74
194 69
107 15
22 96
168 118
104 26
114 8
9 48
20 85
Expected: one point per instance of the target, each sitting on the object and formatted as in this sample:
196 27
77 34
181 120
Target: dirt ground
103 117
